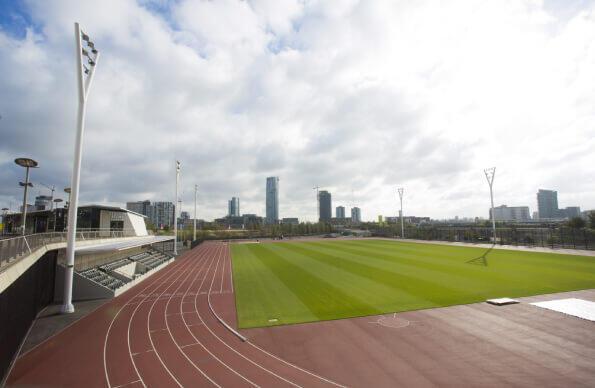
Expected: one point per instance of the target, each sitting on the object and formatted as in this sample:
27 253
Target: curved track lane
164 333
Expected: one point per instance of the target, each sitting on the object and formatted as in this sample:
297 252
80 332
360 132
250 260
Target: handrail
14 248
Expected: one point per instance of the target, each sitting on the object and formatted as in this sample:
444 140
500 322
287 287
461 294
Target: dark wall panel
21 302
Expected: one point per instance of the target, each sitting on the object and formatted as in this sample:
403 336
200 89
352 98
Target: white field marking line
237 352
198 270
123 385
149 333
153 281
132 317
194 336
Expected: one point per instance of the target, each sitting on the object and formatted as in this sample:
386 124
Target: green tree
592 220
576 223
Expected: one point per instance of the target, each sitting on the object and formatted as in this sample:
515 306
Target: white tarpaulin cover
576 307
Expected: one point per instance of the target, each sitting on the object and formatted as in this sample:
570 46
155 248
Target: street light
401 191
195 194
4 213
490 174
176 209
56 201
27 163
84 77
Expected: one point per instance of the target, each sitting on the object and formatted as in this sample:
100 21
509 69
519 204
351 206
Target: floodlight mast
195 194
83 86
317 200
490 174
401 191
176 209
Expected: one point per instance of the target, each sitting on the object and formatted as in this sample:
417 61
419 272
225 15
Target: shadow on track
483 259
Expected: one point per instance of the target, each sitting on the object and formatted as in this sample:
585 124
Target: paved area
167 331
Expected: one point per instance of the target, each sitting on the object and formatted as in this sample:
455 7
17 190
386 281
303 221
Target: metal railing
15 248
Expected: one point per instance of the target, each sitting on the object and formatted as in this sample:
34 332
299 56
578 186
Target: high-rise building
513 213
272 200
163 214
570 212
140 207
326 207
547 204
233 207
340 212
43 202
356 215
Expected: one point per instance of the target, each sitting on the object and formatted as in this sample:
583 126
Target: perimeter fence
556 238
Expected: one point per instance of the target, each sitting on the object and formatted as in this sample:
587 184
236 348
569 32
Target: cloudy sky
358 97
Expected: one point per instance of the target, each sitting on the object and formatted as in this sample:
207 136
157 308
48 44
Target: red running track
163 333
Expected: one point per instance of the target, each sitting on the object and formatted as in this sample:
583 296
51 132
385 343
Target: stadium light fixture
84 77
195 195
401 191
317 188
490 174
176 209
27 163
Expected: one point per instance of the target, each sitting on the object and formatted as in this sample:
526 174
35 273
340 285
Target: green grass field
296 282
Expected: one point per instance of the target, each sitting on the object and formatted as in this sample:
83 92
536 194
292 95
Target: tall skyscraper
513 213
326 207
356 215
272 200
340 212
547 204
233 207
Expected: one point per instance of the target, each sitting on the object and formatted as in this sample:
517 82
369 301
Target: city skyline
281 102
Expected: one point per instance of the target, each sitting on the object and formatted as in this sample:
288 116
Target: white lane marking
130 383
199 342
166 273
235 351
132 317
198 271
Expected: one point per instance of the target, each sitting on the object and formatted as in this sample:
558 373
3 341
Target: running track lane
163 333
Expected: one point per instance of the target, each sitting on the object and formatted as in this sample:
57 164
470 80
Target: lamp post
176 209
55 208
401 191
195 194
490 174
27 163
84 77
4 213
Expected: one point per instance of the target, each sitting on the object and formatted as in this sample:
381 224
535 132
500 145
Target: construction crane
52 188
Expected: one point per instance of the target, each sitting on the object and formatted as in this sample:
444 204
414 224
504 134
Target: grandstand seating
103 274
102 278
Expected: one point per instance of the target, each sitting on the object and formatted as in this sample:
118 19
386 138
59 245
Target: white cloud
358 97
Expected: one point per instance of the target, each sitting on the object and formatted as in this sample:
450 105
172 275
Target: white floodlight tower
490 174
317 200
195 194
401 191
176 209
84 77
